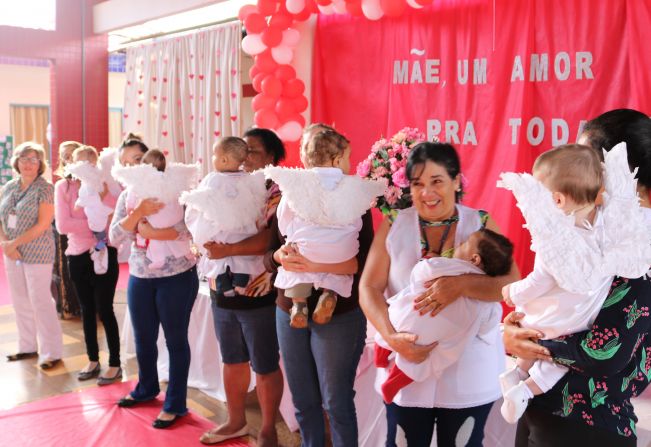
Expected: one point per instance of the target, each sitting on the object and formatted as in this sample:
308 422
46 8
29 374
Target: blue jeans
168 302
454 427
320 366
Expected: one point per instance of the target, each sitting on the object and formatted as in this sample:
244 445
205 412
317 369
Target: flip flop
21 356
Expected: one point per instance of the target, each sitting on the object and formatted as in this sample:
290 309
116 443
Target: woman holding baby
163 295
459 401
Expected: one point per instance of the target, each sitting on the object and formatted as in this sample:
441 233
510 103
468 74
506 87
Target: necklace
447 223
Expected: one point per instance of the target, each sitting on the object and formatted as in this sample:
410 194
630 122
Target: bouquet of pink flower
388 159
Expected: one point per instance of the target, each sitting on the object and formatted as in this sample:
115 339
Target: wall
22 84
78 74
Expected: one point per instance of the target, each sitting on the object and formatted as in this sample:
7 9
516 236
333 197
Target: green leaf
627 380
632 425
591 386
616 295
598 399
566 401
604 353
631 318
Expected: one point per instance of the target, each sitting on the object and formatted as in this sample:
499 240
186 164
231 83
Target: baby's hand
506 294
291 248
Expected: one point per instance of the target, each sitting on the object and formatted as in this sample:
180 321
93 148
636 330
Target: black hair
496 252
624 125
133 139
272 144
443 154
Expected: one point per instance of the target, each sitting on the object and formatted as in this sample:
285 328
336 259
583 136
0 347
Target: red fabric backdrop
373 78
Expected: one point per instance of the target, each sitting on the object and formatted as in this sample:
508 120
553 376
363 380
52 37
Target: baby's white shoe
510 378
515 402
100 260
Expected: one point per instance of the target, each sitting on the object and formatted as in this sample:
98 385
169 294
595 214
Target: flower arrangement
388 159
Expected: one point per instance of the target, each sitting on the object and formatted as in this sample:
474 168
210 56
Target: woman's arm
157 234
252 246
45 218
371 299
521 342
621 325
443 291
63 218
145 208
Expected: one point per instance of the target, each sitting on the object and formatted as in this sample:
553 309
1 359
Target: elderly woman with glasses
27 241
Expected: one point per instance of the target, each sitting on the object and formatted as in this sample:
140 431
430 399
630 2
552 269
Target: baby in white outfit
580 246
157 179
320 215
226 208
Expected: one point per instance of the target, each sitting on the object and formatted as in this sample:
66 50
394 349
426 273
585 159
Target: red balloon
293 88
300 103
255 23
266 118
267 7
285 109
423 2
311 6
323 2
253 71
261 101
272 37
393 8
257 81
354 8
271 86
285 72
303 15
280 20
245 11
266 62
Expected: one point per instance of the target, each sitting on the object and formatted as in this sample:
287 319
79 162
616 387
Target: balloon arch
281 95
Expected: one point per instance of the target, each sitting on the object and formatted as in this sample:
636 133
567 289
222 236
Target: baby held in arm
485 252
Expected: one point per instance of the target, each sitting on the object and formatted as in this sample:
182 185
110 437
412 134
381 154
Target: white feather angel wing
305 195
627 244
90 175
147 182
107 159
230 202
574 261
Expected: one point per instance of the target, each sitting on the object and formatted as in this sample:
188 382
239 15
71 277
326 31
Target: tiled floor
23 381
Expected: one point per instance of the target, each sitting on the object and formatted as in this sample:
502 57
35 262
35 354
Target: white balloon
330 9
282 54
414 5
372 9
339 6
291 37
295 6
290 131
252 44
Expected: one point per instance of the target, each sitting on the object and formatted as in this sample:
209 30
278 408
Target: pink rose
400 178
379 172
364 168
392 194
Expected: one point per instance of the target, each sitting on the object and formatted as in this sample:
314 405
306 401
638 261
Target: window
37 14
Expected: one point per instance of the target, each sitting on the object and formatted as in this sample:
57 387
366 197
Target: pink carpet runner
92 418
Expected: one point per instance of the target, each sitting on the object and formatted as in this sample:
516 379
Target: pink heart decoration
140 92
233 72
153 78
191 75
181 144
218 72
217 113
233 95
233 118
217 133
154 97
139 104
164 133
138 122
191 117
164 79
164 98
201 77
164 116
126 115
200 160
166 152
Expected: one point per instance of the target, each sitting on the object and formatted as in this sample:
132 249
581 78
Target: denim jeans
320 365
167 302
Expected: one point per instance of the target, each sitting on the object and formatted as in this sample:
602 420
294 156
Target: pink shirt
72 222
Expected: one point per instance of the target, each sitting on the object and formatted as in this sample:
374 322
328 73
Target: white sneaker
511 377
515 403
100 260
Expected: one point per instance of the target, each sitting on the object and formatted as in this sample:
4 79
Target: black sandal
21 356
49 364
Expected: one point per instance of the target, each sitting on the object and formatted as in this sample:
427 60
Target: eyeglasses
28 160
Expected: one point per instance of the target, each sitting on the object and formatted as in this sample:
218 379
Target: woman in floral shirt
610 363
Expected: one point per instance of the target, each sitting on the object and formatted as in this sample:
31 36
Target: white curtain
182 93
